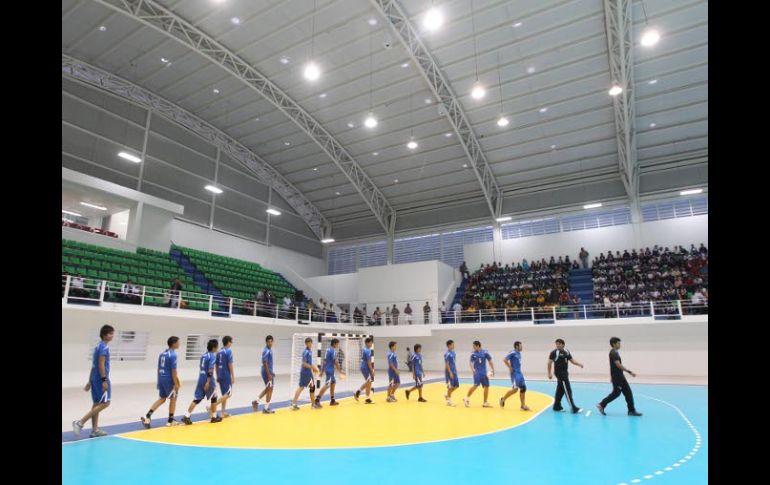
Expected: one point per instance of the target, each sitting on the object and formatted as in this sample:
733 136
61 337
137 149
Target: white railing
91 291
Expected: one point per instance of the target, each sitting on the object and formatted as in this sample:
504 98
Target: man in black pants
619 382
559 358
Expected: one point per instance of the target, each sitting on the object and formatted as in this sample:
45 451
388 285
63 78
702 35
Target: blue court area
668 445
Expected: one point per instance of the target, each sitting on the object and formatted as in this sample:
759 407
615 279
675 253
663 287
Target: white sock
187 414
267 405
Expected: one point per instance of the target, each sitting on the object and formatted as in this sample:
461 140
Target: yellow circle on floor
356 425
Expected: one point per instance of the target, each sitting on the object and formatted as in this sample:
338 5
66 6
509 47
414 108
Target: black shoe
186 420
421 400
358 393
407 394
558 410
634 413
145 422
502 402
601 409
368 401
576 410
216 419
334 403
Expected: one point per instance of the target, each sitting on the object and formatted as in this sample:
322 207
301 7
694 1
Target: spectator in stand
174 293
457 310
442 311
464 271
583 257
129 293
376 316
286 307
394 314
358 316
525 265
426 313
77 287
387 315
408 314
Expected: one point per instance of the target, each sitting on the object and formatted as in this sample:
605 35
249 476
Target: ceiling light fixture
287 143
102 28
129 157
615 90
405 65
215 91
516 25
502 122
543 110
212 188
284 60
412 144
164 60
448 135
372 21
650 37
592 206
235 20
273 212
76 214
327 240
653 125
322 95
477 91
376 153
504 219
370 121
530 70
94 206
653 81
312 71
433 19
684 192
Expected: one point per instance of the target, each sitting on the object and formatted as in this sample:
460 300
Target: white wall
154 227
119 223
684 231
99 239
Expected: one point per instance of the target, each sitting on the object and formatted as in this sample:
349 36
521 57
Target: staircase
459 292
218 309
581 284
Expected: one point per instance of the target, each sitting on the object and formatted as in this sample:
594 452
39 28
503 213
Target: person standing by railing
408 313
442 310
394 313
426 313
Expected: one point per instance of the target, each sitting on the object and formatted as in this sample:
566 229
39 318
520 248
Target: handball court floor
424 442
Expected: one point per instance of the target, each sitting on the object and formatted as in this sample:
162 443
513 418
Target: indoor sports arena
341 240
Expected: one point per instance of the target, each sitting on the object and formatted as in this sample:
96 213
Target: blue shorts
165 389
480 379
97 395
367 374
518 381
418 380
394 378
200 393
265 379
330 378
305 379
452 383
226 386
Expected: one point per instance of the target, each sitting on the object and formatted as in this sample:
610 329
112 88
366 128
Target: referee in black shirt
619 382
559 358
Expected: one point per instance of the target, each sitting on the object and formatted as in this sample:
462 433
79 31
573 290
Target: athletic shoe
216 419
558 410
486 405
368 401
226 415
634 413
294 407
317 405
422 400
97 433
450 403
502 402
358 393
267 411
77 427
255 406
172 423
576 410
145 422
524 408
333 403
407 394
186 420
446 397
466 402
601 409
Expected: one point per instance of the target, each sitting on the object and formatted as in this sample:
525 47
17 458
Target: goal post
349 357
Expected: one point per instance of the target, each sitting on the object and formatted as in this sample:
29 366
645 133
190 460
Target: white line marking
647 477
588 413
635 480
659 472
668 468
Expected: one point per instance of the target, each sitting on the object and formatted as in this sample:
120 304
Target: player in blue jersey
513 362
168 383
98 383
367 369
306 373
225 373
207 384
417 372
268 377
450 372
479 359
330 364
394 380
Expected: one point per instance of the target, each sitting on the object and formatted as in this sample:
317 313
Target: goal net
349 355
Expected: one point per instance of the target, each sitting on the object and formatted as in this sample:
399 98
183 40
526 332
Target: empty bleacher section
241 280
144 268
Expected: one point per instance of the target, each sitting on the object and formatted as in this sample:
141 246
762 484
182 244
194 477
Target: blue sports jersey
366 357
101 350
207 363
166 364
417 363
307 358
224 359
450 358
392 360
514 357
267 356
329 360
479 360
